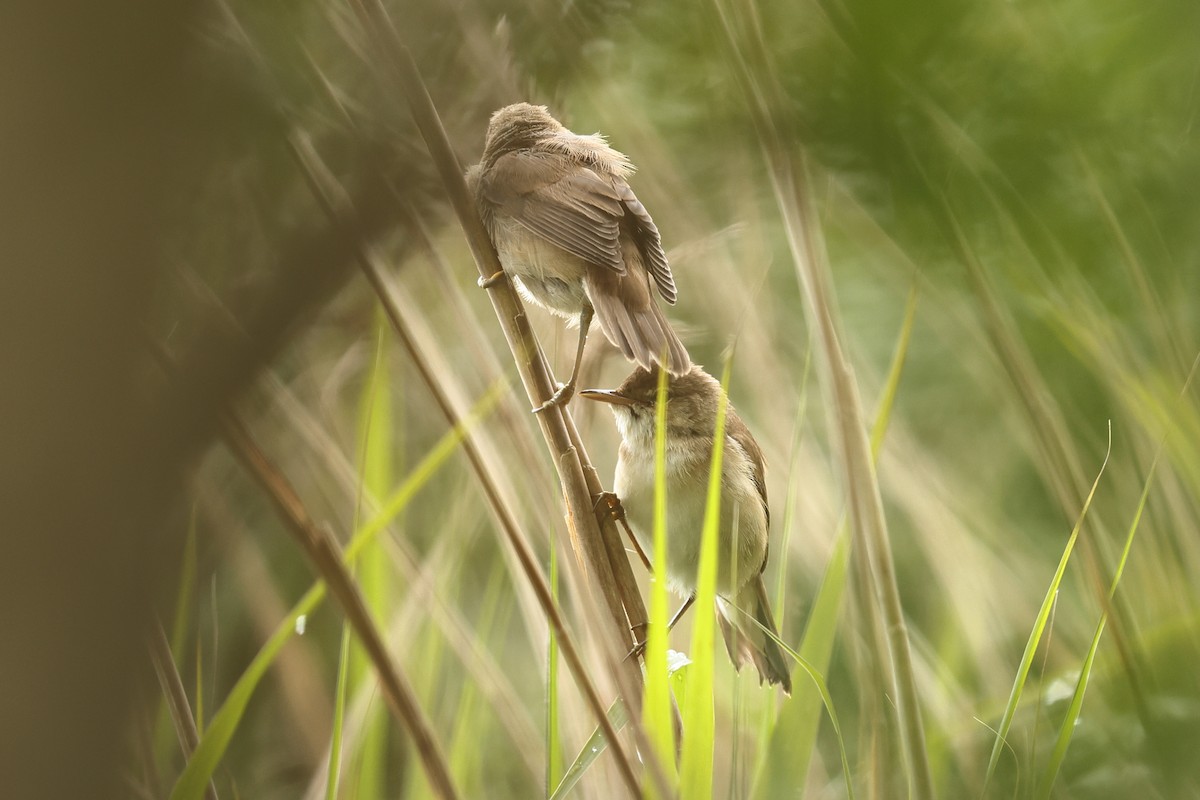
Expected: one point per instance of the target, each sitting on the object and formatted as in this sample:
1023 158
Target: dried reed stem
326 558
328 193
607 567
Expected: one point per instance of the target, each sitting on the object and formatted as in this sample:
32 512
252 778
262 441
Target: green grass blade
339 716
827 700
656 712
1068 726
1039 627
696 778
216 737
377 444
1064 733
591 750
891 387
793 741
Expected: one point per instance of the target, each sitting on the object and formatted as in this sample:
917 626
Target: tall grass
814 169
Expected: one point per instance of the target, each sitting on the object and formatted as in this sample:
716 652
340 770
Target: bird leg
565 392
617 512
640 647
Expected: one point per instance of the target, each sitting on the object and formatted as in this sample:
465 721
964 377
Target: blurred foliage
1058 139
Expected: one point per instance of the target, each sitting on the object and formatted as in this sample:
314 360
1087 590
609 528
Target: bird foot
612 503
616 512
491 280
559 398
640 647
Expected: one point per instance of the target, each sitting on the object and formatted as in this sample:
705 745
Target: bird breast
742 535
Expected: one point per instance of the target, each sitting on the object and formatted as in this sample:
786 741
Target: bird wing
556 199
737 430
646 236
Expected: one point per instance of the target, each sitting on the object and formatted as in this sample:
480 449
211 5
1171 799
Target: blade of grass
1067 730
216 737
1039 626
179 626
368 470
826 699
696 768
656 711
780 140
377 443
596 744
176 698
784 768
339 716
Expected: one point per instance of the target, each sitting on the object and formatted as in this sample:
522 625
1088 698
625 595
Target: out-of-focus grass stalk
1039 627
216 737
427 659
554 754
1067 729
466 755
793 491
1057 459
772 713
699 723
377 443
784 766
199 683
176 697
656 712
183 605
784 155
334 773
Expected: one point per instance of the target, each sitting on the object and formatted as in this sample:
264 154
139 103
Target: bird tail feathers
746 641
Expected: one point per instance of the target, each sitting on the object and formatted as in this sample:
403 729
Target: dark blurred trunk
90 135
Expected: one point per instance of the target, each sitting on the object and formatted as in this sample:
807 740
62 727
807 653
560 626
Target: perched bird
570 230
692 402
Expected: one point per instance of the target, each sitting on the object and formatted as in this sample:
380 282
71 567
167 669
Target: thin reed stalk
326 190
326 558
595 538
531 364
177 702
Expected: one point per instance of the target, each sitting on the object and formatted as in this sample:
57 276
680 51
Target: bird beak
611 396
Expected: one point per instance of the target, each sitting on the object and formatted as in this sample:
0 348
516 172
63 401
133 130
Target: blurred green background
1026 171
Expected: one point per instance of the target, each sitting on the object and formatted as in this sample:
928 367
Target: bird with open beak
570 230
692 406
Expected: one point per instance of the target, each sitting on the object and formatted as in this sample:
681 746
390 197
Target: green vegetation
993 204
